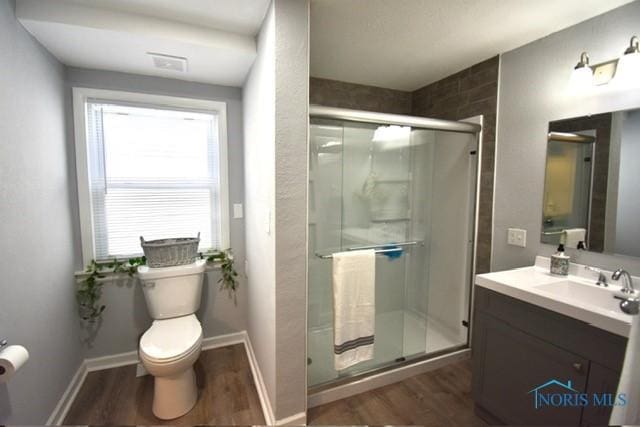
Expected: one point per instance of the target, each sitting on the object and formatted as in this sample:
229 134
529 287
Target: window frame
85 205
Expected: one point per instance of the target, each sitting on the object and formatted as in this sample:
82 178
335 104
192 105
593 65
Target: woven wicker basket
170 252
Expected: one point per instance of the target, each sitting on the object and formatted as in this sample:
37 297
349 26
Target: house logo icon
555 393
553 399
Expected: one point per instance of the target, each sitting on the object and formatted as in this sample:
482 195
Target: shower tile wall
334 93
468 93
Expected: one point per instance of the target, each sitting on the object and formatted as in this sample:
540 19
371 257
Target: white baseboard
267 411
294 420
224 340
112 361
261 388
131 358
60 411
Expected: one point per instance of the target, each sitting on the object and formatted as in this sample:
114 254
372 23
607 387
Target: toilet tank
172 291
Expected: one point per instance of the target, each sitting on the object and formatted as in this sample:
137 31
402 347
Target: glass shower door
448 267
325 236
361 196
376 185
383 186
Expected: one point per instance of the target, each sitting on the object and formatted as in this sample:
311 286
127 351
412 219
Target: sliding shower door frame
479 121
414 365
344 114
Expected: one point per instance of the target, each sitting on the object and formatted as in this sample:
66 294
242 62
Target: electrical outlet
517 237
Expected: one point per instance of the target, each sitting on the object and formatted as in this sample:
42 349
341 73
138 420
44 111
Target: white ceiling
407 44
216 36
236 16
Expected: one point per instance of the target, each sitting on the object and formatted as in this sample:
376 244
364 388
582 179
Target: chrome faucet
628 284
602 279
631 303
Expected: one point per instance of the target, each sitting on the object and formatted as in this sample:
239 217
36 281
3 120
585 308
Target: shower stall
406 187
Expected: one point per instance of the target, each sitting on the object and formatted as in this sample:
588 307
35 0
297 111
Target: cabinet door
601 380
508 364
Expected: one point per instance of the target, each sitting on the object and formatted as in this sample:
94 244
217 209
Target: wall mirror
592 183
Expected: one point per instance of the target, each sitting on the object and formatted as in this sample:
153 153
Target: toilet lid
171 338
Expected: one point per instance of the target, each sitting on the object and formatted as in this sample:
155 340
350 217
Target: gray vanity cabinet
518 347
510 363
601 380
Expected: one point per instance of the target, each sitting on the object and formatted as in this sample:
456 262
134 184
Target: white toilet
170 347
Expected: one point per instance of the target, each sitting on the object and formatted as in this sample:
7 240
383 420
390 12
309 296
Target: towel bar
552 233
379 249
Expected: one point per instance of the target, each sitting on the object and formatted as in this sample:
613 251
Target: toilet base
175 395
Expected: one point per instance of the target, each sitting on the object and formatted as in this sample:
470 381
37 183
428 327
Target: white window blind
153 172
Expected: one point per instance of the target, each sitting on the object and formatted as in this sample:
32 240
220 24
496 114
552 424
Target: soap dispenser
560 262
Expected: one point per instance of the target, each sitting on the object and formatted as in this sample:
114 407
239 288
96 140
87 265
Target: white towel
629 384
573 236
354 311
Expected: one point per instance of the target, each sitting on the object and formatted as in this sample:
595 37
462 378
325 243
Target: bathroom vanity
531 328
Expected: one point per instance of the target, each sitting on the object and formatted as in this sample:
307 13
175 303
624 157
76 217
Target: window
149 166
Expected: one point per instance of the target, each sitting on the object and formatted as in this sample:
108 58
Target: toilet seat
168 340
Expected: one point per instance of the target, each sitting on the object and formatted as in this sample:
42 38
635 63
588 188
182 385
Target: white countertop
594 304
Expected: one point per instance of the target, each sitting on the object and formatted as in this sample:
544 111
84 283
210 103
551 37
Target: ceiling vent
169 62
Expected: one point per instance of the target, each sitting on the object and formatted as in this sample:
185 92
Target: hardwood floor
227 394
437 398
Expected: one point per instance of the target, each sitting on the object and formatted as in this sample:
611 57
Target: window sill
111 276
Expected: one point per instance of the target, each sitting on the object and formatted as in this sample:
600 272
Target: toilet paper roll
11 359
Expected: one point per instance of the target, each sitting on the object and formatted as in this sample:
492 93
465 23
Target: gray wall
292 125
37 301
533 91
259 161
125 317
276 124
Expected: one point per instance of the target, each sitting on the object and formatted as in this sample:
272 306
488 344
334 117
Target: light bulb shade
581 79
628 71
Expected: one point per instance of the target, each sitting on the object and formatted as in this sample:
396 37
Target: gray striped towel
353 307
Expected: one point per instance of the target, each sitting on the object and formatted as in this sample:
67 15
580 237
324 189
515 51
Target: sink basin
575 296
591 295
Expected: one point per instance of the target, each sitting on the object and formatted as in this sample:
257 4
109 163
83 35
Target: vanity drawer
578 337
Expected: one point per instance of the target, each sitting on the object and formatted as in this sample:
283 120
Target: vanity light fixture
623 72
628 72
582 76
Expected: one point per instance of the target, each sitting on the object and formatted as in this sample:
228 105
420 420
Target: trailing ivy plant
228 281
89 290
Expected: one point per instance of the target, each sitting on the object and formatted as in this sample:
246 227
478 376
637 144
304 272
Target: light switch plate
517 237
237 211
267 223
